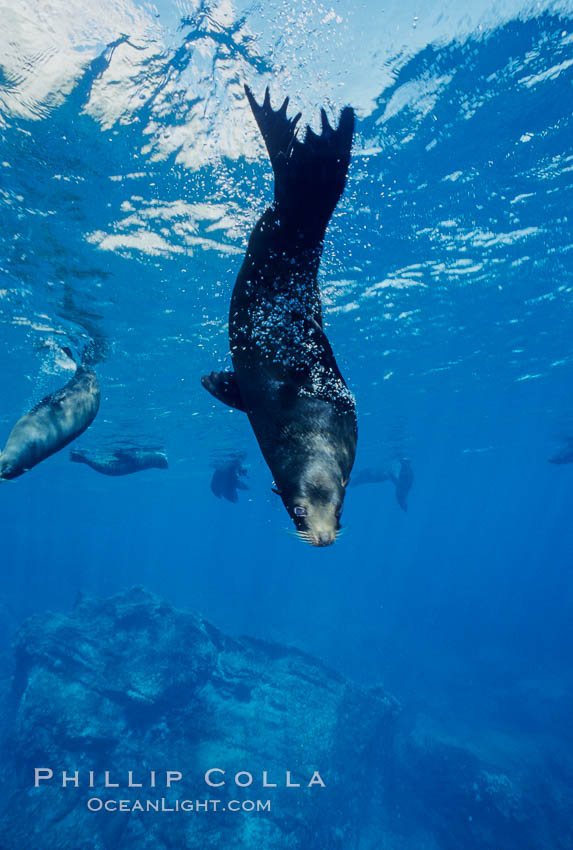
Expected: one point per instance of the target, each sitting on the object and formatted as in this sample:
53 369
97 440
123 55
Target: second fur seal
285 376
565 454
123 461
53 423
399 473
227 477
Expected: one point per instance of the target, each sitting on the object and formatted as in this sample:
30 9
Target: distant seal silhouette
564 455
52 423
403 482
285 376
121 461
227 476
402 478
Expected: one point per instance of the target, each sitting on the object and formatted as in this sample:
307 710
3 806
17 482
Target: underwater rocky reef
132 691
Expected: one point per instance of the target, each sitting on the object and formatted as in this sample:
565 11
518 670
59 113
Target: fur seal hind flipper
223 386
403 482
278 131
309 175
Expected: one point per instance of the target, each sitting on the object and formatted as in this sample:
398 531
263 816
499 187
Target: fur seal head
316 509
312 488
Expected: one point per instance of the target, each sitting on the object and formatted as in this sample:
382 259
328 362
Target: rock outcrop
132 684
136 688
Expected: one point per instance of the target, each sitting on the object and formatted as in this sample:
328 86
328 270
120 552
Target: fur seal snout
316 504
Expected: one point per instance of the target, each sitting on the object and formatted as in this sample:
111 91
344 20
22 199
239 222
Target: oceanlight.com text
97 804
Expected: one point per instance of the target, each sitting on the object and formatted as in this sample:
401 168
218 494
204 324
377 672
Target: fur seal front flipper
223 385
285 376
52 423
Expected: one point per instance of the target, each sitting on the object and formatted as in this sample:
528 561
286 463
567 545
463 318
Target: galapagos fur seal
565 454
285 376
402 478
53 423
121 461
226 480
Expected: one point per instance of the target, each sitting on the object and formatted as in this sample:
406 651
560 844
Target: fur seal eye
298 511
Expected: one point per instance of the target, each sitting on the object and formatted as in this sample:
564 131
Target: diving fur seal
402 478
285 376
121 461
565 454
227 476
52 423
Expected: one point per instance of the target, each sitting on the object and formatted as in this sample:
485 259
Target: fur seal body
402 478
121 461
564 455
285 376
52 423
226 480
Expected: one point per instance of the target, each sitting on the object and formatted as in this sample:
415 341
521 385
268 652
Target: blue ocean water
131 175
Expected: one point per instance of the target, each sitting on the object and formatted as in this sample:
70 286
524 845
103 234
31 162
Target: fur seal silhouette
565 454
402 478
285 376
227 476
403 482
52 423
121 461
